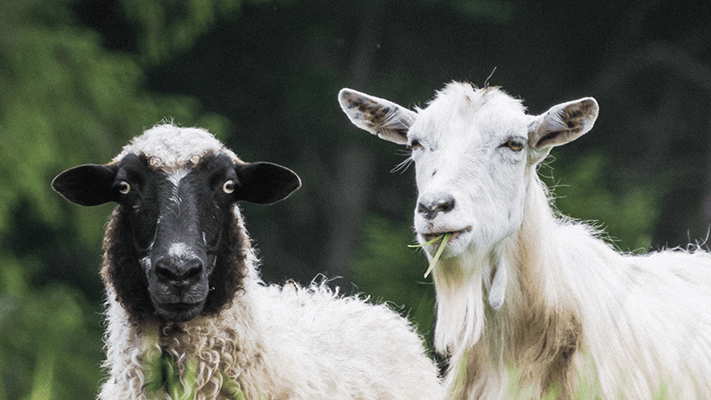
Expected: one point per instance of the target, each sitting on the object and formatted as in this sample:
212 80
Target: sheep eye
514 144
414 144
229 186
123 187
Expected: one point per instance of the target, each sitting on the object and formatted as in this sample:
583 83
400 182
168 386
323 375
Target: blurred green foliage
65 101
626 219
78 78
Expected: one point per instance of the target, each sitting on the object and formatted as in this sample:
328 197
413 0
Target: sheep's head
473 150
175 247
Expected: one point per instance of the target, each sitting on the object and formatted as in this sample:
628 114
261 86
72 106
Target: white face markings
180 250
175 177
146 263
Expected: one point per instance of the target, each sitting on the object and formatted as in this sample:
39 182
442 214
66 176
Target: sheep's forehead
460 109
172 148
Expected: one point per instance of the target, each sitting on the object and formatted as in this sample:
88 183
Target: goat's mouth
457 241
454 235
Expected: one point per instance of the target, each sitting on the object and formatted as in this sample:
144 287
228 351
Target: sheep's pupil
124 187
228 187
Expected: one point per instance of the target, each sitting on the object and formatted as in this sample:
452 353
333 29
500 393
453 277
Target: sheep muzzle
178 285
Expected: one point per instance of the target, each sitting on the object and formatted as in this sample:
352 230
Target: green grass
445 238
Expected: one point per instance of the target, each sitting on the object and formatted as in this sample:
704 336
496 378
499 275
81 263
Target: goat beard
460 302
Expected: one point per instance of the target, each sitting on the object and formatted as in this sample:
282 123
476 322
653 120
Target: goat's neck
533 298
536 254
537 330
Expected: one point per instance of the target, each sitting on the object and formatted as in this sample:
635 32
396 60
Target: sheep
183 290
527 299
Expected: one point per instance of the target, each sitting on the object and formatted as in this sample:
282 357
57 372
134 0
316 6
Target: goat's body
526 300
583 318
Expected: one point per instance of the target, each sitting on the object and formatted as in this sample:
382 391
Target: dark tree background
78 78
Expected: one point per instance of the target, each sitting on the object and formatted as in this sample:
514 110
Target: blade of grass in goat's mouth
444 237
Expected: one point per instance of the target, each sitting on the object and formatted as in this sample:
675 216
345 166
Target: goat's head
473 149
176 190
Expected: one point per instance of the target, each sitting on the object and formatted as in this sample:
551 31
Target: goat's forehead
173 148
460 108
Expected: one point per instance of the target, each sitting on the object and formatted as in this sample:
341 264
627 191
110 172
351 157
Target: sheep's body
521 290
270 342
281 343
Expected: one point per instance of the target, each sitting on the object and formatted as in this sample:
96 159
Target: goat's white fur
523 289
275 342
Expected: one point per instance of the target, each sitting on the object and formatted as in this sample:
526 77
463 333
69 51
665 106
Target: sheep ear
264 183
561 124
378 116
87 185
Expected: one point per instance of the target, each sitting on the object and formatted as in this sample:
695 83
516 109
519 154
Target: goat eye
414 144
123 187
514 144
229 186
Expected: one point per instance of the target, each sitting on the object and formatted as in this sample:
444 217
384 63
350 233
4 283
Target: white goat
522 289
188 315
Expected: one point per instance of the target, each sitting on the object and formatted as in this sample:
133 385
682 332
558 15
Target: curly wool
278 343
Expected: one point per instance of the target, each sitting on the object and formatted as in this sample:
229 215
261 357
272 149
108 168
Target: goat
523 290
184 292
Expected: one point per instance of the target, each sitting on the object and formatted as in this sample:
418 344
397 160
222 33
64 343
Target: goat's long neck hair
536 326
121 269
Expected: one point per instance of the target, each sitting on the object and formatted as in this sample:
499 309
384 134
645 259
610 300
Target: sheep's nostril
179 272
194 270
165 272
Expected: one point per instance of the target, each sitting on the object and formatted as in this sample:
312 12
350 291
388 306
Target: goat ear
561 124
264 183
378 116
87 185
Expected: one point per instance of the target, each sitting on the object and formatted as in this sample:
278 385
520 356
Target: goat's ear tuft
378 116
560 125
87 185
264 183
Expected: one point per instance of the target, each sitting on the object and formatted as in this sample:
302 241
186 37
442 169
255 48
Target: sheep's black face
183 256
177 220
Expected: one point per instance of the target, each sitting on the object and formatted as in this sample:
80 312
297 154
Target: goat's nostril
446 205
430 208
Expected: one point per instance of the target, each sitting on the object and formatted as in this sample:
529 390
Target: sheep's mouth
178 312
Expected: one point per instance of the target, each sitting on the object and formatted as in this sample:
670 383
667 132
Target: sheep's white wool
174 148
523 291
